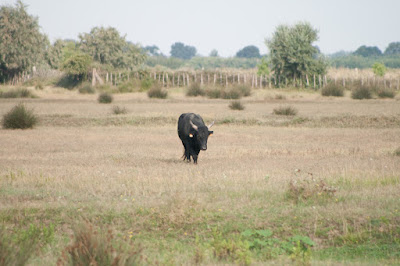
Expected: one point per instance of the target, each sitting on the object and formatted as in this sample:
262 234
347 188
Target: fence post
187 75
201 78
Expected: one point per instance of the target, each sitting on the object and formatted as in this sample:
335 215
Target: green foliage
393 49
55 55
86 88
397 152
146 84
94 247
152 50
214 53
106 46
249 51
18 247
292 54
332 90
127 86
119 110
168 62
22 45
367 51
285 110
301 252
235 92
180 50
17 93
354 61
386 93
19 117
379 69
309 189
263 68
195 90
77 65
236 105
362 92
105 97
157 92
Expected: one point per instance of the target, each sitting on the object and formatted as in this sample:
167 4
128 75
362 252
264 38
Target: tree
250 51
54 54
263 68
77 65
180 50
292 53
152 50
379 69
393 49
367 51
106 46
214 53
22 45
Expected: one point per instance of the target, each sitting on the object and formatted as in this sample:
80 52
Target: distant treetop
393 48
367 51
180 50
249 51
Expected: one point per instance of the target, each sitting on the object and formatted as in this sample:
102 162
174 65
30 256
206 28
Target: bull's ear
210 133
191 135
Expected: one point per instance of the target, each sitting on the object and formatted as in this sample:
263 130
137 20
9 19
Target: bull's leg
195 156
186 155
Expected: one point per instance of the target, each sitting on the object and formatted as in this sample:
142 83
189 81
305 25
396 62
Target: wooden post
173 79
111 79
201 79
226 79
178 78
187 75
244 78
314 81
308 84
208 78
325 81
107 77
215 78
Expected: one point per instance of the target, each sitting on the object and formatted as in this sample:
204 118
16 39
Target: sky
227 26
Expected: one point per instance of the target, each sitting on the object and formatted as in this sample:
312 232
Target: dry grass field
87 179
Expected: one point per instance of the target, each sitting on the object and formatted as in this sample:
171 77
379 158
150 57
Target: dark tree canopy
152 50
214 53
368 51
180 50
250 51
22 45
393 48
292 53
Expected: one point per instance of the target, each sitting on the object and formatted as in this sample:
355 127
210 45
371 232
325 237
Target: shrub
68 82
127 86
146 84
386 93
280 97
285 110
379 69
157 92
39 85
105 97
195 90
87 88
214 93
94 247
17 93
362 92
119 110
19 117
397 152
233 93
236 105
332 90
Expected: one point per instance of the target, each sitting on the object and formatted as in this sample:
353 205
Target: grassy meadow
318 187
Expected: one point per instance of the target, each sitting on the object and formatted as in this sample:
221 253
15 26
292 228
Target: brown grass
125 173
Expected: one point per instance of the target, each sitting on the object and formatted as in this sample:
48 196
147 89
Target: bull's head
202 134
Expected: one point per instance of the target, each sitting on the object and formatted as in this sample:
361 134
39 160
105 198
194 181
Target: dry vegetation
329 174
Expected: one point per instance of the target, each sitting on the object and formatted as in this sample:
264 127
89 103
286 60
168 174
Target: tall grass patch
157 92
17 93
86 88
332 90
285 110
117 110
386 93
195 90
19 117
236 105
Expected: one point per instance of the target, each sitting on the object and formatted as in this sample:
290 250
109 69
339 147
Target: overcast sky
226 26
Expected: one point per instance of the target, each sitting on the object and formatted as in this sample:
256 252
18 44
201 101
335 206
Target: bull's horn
193 125
209 126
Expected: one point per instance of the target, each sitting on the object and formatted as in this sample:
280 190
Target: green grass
17 93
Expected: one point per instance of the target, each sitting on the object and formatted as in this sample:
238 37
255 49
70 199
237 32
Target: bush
214 93
146 84
195 90
105 97
19 118
397 152
285 110
93 247
362 92
17 93
332 90
236 105
119 110
39 85
244 90
87 88
233 93
386 93
157 92
127 86
280 97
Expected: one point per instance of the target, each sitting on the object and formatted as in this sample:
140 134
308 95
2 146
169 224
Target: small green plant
146 84
17 93
19 117
386 93
332 90
86 88
285 110
157 92
127 86
236 105
119 110
379 69
105 97
301 251
195 90
362 92
397 152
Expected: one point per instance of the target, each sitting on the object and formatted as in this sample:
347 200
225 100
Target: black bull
194 135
